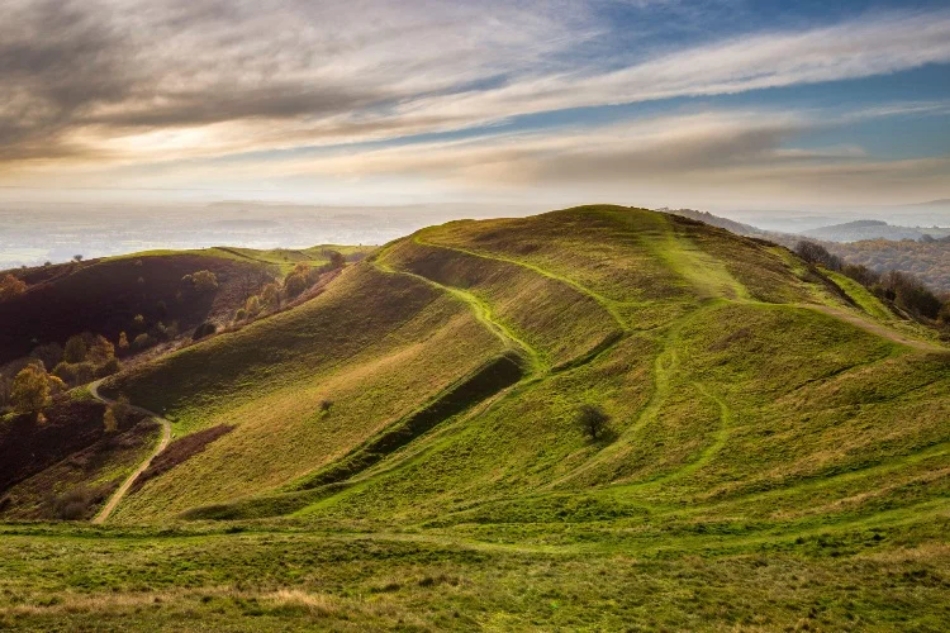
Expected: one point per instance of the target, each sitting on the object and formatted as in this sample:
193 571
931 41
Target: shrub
100 350
326 405
270 297
139 322
861 274
5 385
910 294
162 332
74 505
204 281
253 306
108 368
240 314
56 385
30 392
109 422
75 374
943 317
50 354
11 287
65 372
123 342
143 341
818 254
121 409
205 329
903 290
592 420
75 351
294 285
337 260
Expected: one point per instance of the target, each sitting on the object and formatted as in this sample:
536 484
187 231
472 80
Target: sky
706 104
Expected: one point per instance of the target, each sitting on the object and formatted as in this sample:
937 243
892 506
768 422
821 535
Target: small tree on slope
31 391
592 420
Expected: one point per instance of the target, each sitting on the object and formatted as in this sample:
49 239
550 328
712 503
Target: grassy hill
405 452
104 296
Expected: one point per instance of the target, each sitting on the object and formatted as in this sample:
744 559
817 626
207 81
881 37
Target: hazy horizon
32 233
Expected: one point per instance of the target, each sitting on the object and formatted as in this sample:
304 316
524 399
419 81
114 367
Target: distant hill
714 220
944 202
873 230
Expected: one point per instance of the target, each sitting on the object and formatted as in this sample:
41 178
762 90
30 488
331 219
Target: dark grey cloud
77 71
55 62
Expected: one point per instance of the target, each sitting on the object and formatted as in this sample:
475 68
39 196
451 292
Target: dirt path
162 444
878 329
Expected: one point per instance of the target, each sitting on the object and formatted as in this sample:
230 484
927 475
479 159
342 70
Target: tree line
899 290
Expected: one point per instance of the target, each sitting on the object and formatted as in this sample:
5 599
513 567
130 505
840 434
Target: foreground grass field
405 453
864 579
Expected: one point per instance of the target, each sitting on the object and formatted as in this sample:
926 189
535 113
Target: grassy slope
376 345
741 371
97 470
769 466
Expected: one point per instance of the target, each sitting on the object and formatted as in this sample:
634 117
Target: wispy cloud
158 91
712 155
132 80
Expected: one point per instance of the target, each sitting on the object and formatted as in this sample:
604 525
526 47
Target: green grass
374 346
862 297
778 456
870 580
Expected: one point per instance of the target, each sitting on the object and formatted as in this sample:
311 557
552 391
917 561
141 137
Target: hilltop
403 449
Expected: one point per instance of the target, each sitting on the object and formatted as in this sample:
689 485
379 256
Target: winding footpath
879 329
117 497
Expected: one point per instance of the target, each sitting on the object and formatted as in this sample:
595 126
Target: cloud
78 74
135 81
711 155
862 48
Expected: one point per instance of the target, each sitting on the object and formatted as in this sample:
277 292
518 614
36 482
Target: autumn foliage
11 287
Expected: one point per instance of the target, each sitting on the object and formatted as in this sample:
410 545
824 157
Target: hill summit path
119 494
